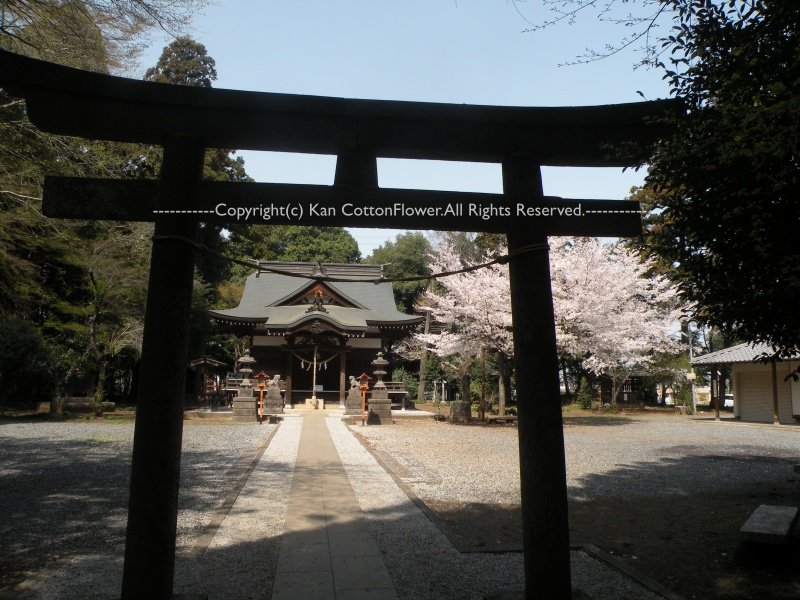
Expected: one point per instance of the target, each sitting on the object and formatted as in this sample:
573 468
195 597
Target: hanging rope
253 264
304 362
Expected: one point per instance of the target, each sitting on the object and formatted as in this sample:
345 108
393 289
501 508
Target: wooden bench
770 524
502 418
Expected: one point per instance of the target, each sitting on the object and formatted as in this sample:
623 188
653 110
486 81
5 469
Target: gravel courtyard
64 487
666 494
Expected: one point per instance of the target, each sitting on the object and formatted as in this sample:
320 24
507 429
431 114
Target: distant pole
691 369
776 416
543 478
423 361
155 470
314 378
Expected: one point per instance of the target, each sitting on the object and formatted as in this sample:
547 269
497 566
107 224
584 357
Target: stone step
770 524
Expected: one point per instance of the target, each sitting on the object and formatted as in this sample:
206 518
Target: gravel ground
666 494
606 456
626 475
64 487
423 564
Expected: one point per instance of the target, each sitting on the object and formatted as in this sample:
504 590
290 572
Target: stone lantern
245 405
380 407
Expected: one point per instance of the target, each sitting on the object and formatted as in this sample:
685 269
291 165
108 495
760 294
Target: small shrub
409 380
584 396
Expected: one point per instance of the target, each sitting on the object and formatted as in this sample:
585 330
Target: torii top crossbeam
73 102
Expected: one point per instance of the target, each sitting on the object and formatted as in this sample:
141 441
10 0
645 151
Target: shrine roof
281 301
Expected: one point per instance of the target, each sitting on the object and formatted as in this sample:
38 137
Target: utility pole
423 361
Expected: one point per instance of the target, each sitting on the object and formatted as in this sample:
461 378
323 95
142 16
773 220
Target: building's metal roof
741 353
265 293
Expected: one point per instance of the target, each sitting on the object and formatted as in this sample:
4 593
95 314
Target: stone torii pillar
152 517
184 120
543 483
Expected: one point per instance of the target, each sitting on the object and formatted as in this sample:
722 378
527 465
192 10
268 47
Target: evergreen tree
293 243
406 256
184 62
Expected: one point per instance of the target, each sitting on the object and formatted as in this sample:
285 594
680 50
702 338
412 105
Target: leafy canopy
99 35
726 183
406 256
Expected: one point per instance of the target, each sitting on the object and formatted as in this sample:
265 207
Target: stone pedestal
460 412
245 405
273 403
352 404
380 408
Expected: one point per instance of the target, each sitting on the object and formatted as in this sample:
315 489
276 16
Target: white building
762 392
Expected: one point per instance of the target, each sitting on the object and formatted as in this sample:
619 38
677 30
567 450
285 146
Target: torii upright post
545 528
155 474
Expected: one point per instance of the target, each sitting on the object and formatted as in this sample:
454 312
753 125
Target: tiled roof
265 292
741 353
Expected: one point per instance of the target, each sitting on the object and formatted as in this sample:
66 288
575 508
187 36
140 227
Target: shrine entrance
186 120
290 315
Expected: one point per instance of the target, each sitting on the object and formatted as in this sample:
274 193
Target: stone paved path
326 551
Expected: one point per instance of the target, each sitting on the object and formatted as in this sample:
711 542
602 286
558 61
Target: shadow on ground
676 521
59 497
598 421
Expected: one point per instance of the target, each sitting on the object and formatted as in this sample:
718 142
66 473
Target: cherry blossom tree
612 313
610 309
472 311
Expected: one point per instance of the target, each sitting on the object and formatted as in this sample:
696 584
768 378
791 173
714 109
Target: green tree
727 180
62 32
25 364
406 256
184 62
74 32
81 284
115 259
294 243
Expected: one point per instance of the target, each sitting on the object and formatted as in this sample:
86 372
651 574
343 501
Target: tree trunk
99 390
482 406
502 390
617 384
465 383
423 361
566 382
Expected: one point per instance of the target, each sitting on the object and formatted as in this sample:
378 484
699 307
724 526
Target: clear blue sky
459 51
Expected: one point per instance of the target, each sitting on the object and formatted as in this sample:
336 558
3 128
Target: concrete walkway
326 551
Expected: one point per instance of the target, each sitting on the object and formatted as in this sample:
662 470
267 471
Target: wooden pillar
541 437
287 395
776 415
342 376
155 472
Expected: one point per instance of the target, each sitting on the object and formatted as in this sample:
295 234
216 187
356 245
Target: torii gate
186 120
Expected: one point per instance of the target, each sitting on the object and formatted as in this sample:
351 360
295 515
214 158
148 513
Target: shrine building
344 313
